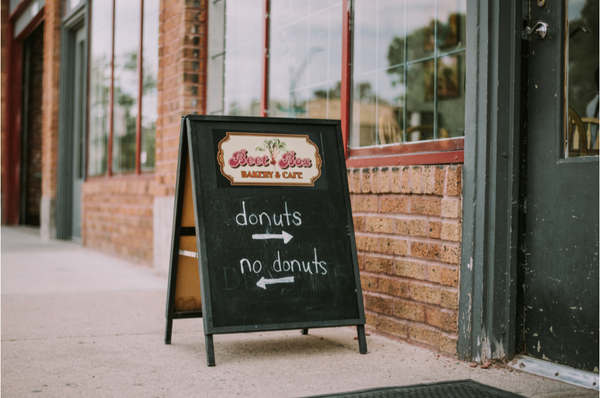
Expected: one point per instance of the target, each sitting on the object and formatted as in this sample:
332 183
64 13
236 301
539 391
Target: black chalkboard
273 226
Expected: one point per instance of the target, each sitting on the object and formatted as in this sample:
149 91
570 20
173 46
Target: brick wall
181 77
117 216
408 233
50 100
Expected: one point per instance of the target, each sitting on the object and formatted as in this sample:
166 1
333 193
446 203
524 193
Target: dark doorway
31 133
560 242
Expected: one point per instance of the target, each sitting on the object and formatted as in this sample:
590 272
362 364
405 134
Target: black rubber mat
446 389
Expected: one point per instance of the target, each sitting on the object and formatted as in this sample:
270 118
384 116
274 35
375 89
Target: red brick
410 269
367 243
375 184
364 203
425 250
393 204
451 208
350 185
439 176
451 231
454 180
393 327
380 265
385 181
430 206
443 319
450 254
380 224
449 299
365 180
435 229
368 283
409 310
405 175
356 181
393 246
359 223
395 180
425 293
416 179
425 335
428 179
371 320
393 287
382 305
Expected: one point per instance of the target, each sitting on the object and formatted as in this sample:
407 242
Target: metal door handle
539 29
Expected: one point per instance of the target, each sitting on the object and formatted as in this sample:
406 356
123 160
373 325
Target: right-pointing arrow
284 235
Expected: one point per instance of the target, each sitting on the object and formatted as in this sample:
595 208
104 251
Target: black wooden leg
362 339
304 331
210 350
168 330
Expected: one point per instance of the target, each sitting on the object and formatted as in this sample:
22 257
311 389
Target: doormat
446 389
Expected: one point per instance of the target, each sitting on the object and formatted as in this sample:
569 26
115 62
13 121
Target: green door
561 235
78 168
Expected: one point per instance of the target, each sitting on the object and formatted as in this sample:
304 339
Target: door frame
64 195
488 312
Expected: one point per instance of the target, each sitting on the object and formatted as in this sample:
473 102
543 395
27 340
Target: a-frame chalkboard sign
262 233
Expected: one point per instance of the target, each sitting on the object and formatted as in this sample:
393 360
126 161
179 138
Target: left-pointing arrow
264 282
284 235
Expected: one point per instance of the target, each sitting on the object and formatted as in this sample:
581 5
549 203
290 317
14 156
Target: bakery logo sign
269 159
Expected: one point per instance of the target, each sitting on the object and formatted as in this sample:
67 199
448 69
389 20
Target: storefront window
100 78
409 68
305 59
128 81
243 57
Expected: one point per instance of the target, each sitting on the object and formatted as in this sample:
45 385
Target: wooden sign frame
189 287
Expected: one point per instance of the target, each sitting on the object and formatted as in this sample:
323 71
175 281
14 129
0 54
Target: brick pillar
181 82
50 101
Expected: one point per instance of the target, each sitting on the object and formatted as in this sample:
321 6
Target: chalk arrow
264 282
284 235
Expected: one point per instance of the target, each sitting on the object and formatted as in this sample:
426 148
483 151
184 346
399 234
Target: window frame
138 124
438 151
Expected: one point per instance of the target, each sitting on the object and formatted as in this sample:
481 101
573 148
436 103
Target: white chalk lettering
244 219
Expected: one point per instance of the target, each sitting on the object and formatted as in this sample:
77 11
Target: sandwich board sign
262 231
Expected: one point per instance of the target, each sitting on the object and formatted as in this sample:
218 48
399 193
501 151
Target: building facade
471 144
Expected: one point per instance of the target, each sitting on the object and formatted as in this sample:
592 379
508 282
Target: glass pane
99 97
126 84
390 31
451 96
390 106
364 125
452 25
305 59
365 37
581 133
420 23
420 101
243 57
149 85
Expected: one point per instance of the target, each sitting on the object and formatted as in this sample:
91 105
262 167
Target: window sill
419 153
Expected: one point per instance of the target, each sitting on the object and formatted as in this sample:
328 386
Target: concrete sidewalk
79 323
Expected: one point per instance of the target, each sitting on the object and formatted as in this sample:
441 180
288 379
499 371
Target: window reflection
305 59
149 85
408 71
126 79
243 57
581 132
99 96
